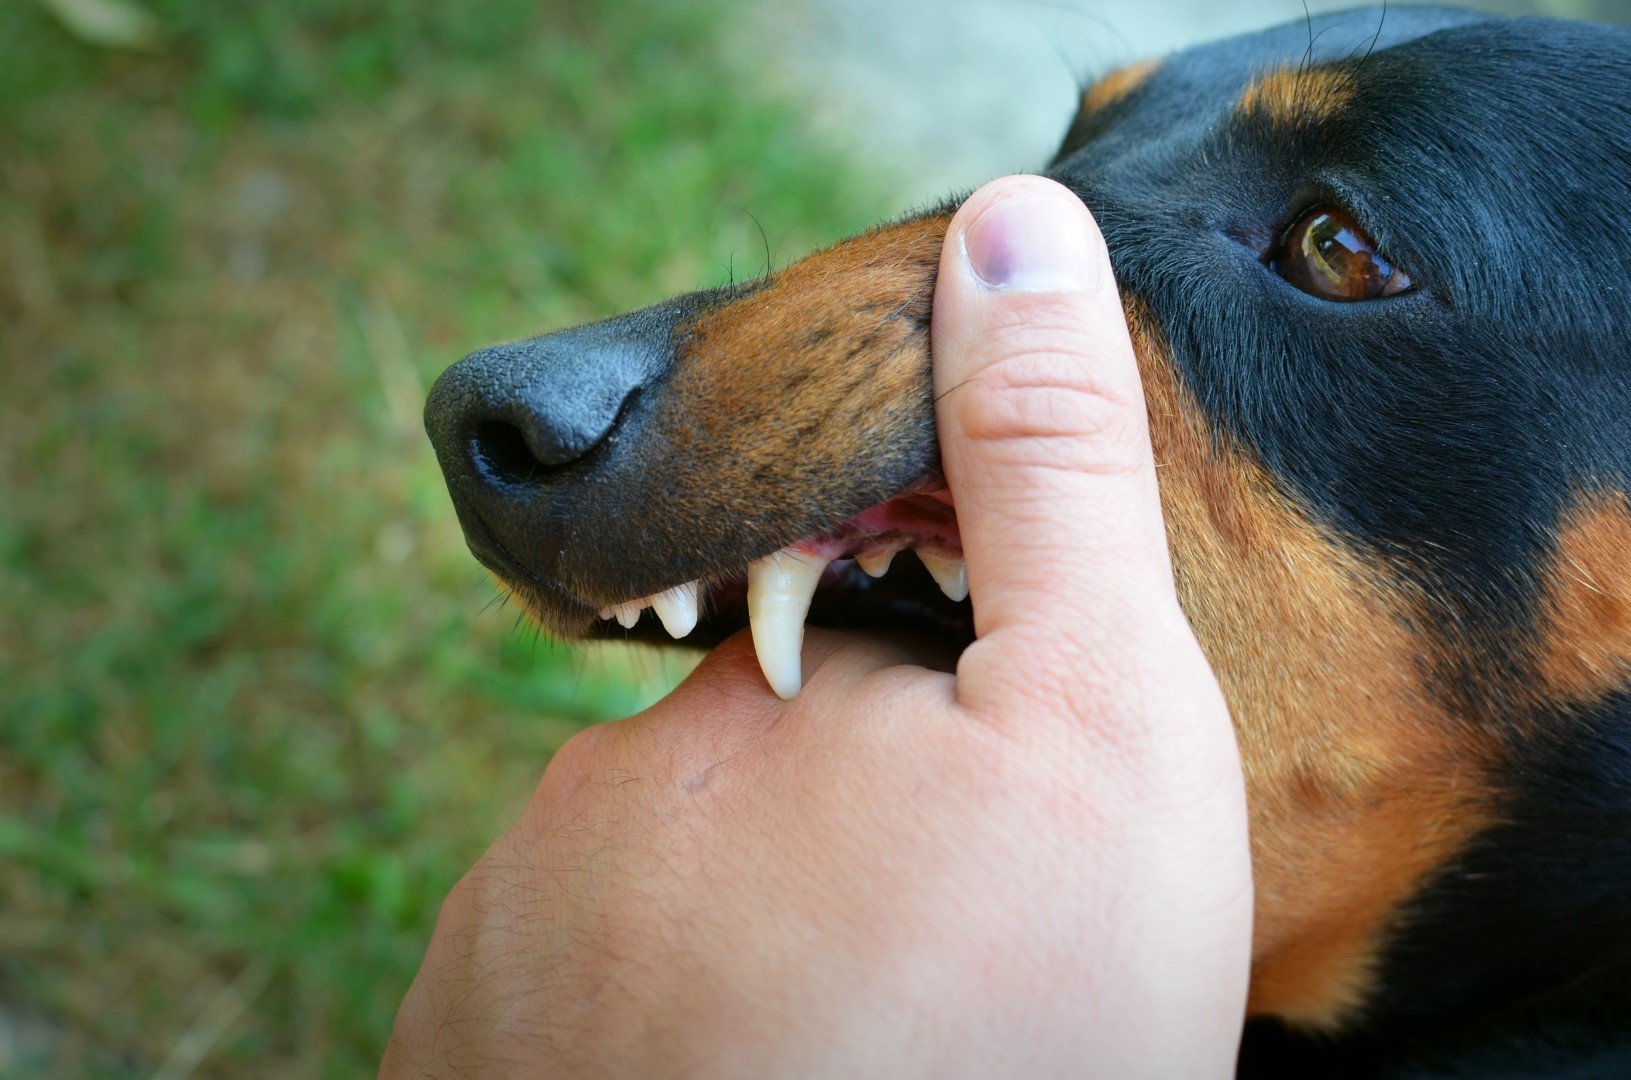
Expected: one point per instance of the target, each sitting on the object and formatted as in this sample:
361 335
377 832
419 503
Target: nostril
523 415
501 454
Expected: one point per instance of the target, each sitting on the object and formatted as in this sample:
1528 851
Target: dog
1379 286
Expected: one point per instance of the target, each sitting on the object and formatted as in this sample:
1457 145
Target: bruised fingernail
1033 243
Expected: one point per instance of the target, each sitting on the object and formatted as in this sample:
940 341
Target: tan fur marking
1290 97
1117 85
858 307
1359 784
1586 628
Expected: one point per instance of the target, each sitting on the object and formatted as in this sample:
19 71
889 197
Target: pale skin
1030 860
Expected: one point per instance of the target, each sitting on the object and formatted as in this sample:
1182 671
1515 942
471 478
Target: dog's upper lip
490 552
922 517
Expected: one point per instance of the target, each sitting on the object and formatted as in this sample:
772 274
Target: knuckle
580 755
1047 408
1041 323
574 772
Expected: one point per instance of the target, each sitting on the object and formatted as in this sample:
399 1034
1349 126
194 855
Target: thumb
1044 437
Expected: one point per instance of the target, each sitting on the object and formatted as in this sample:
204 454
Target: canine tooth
677 608
950 574
628 614
779 591
876 563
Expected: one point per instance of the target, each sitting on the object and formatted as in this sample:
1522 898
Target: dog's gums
781 585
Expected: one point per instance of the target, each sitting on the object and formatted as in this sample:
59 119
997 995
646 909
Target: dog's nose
517 411
510 417
541 440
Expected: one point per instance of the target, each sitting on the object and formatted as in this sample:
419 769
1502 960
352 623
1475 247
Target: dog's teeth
677 608
628 614
779 591
875 563
950 574
607 613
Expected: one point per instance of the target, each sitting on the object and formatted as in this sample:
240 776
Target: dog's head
1378 275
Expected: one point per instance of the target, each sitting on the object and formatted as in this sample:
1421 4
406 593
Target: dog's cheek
1584 632
1360 782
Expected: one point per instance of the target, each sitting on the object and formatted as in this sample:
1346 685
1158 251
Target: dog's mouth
896 566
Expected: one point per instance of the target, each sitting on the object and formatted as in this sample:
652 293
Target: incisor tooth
628 614
677 608
950 574
876 564
779 591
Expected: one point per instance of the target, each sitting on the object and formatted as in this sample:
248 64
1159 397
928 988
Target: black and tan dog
1378 271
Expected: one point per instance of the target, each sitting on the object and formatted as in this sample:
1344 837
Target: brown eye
1325 254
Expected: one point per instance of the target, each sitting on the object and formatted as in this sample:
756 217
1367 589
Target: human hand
1037 866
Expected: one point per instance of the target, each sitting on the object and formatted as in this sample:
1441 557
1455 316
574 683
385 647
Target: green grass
256 712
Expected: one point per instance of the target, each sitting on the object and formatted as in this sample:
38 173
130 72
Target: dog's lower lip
486 548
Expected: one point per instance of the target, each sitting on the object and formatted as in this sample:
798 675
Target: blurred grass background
256 713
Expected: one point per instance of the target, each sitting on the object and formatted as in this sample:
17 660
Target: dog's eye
1325 254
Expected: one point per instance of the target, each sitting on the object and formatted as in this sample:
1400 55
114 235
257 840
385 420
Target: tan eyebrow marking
1291 97
1117 85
